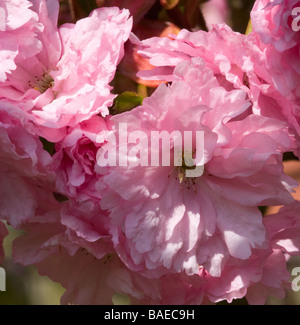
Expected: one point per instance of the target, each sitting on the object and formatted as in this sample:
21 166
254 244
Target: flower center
188 172
44 83
187 164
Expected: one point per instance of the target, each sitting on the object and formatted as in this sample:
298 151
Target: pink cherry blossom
75 160
110 277
283 229
158 225
66 81
215 12
238 61
87 226
273 21
78 251
265 273
25 167
45 236
18 29
156 233
276 24
63 256
60 252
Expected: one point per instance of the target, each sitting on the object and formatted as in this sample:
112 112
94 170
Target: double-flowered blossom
162 203
65 79
25 167
276 24
163 221
18 31
77 265
75 160
264 63
54 85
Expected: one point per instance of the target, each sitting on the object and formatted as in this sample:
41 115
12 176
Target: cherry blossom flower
239 62
188 228
284 230
18 30
165 222
66 79
60 252
25 167
276 23
75 160
273 21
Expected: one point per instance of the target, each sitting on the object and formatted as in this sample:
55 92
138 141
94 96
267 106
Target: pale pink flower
18 29
284 228
77 252
75 160
273 282
87 226
69 226
215 12
158 222
277 25
284 237
67 81
273 21
265 273
262 275
45 236
238 61
25 167
110 276
221 48
72 256
62 229
237 275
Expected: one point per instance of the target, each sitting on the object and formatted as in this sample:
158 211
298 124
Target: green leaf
126 102
48 146
81 8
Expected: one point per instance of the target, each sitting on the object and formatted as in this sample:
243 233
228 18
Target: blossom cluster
146 231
